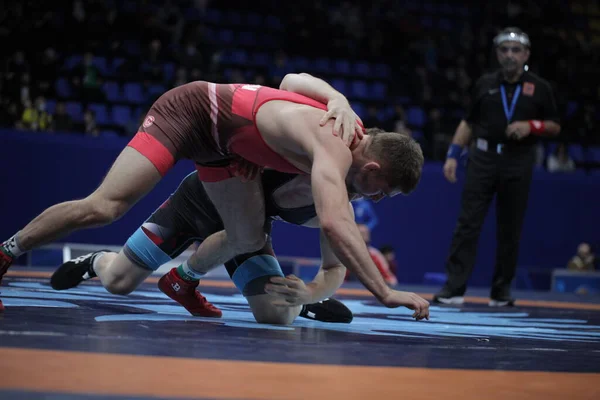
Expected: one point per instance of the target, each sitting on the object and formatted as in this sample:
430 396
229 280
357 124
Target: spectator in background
190 56
16 68
378 258
9 114
390 256
45 72
559 160
398 121
372 118
584 260
89 123
280 68
88 80
181 77
35 117
61 121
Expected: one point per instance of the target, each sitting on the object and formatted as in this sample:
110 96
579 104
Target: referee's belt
489 146
511 146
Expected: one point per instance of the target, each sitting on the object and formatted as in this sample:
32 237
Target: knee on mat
274 317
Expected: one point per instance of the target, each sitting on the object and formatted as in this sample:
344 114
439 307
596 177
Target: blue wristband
454 151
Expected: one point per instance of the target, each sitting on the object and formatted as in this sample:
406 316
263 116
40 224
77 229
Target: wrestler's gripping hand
289 291
348 124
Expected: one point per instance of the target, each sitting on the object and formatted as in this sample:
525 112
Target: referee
510 108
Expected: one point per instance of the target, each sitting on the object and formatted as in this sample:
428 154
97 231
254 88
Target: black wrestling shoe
73 272
328 310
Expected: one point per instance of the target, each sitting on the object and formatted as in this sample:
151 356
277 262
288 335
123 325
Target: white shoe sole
456 300
497 303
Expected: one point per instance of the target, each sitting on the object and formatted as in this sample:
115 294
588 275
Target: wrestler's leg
130 178
250 273
241 207
119 274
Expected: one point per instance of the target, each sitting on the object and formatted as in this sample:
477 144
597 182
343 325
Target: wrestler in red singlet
209 124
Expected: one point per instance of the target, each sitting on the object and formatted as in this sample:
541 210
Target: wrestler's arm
330 166
347 123
332 273
309 86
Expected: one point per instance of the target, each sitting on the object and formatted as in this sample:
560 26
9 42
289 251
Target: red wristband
537 127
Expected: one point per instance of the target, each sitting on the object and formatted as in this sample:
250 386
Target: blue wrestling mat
542 337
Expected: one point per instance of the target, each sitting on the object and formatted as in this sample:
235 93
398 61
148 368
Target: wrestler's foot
73 272
185 293
328 310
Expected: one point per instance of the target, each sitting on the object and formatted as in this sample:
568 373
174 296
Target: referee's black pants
508 176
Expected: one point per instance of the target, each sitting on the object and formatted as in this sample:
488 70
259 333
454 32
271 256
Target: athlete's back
210 123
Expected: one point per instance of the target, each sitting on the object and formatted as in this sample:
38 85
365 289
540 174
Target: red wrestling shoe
185 293
5 262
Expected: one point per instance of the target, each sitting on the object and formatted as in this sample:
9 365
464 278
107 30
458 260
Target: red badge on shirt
528 89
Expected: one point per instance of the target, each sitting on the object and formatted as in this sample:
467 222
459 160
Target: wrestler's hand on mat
289 291
244 169
409 300
346 121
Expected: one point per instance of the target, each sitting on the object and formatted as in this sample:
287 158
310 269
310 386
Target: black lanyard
510 111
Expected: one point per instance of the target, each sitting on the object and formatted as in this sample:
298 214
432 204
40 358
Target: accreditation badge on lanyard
510 111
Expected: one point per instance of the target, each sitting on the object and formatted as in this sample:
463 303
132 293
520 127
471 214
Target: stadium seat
362 69
225 36
358 90
169 71
415 116
260 59
112 91
134 92
121 115
63 88
340 85
72 61
247 38
254 20
75 110
378 90
102 65
100 110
